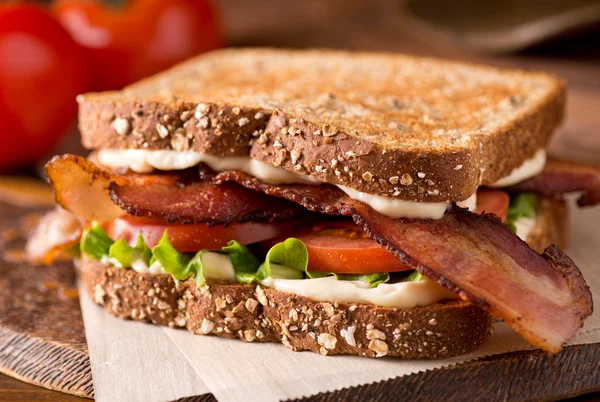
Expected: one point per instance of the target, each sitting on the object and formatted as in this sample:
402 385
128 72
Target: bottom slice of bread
256 314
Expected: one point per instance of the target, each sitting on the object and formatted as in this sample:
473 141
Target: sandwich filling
285 267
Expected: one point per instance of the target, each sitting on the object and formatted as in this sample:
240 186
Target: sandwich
342 203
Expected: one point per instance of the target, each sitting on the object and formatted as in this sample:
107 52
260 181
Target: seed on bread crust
162 131
179 142
121 125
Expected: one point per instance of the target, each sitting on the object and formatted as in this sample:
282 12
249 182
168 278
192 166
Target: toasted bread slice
256 314
386 124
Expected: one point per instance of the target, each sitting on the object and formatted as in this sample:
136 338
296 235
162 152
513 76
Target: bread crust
435 167
256 314
210 128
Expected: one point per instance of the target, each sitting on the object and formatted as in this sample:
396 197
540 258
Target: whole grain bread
256 314
387 124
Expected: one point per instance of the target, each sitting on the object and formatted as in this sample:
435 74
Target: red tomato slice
344 248
493 201
196 236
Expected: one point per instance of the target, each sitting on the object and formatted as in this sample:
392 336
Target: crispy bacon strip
96 195
183 197
542 297
564 177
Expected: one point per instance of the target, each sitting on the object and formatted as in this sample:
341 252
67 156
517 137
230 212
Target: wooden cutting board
42 342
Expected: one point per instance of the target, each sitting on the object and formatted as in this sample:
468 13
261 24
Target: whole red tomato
140 37
40 75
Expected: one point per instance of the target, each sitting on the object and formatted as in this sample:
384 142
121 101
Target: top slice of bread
387 124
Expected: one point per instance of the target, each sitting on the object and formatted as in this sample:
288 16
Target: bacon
564 177
82 188
57 231
184 198
542 297
96 195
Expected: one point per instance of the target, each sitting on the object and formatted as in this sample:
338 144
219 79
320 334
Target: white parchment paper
139 362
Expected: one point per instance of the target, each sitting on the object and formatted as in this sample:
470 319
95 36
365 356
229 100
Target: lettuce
179 265
415 276
372 279
244 263
122 252
95 243
285 260
521 206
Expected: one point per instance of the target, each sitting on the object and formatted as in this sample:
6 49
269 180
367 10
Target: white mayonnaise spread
140 267
398 208
524 226
529 168
398 295
144 161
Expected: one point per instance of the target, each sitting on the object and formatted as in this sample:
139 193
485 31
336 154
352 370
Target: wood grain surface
42 339
41 330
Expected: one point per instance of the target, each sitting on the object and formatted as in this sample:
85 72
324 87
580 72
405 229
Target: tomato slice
493 201
344 248
195 237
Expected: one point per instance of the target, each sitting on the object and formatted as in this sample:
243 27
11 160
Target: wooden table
378 25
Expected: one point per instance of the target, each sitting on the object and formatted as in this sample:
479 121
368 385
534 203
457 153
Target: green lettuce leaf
414 277
285 260
521 206
122 252
196 268
372 279
180 265
244 263
175 263
95 243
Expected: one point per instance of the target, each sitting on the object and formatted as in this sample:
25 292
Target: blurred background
50 51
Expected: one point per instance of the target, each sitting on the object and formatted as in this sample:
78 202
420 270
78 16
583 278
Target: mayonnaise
397 295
